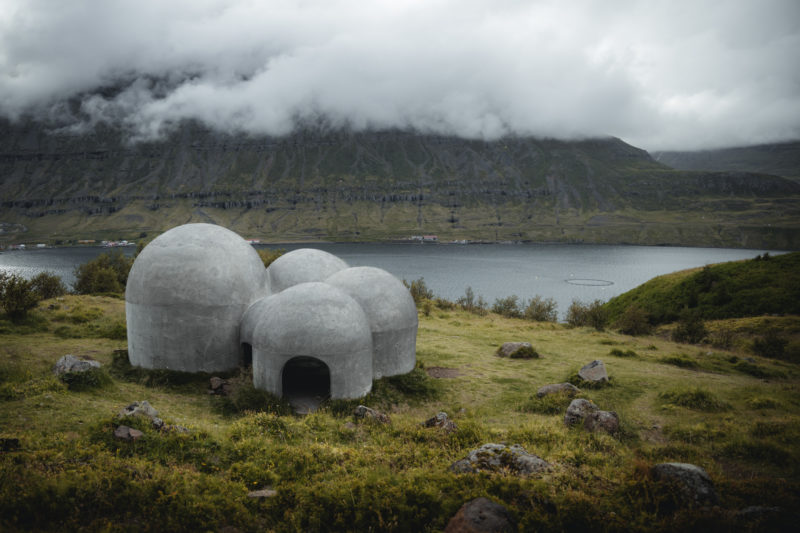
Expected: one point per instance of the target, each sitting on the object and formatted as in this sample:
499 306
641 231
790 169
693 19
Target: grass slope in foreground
68 472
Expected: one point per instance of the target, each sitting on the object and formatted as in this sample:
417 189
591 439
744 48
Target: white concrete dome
310 321
301 266
185 297
391 313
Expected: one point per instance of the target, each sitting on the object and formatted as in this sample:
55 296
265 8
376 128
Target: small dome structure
310 332
391 313
301 266
185 297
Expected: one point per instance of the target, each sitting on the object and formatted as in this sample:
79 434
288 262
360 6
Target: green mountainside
781 159
766 285
371 186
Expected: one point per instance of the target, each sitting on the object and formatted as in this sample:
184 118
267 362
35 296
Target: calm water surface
560 271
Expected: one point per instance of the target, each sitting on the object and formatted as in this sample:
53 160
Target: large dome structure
301 266
391 313
311 338
185 297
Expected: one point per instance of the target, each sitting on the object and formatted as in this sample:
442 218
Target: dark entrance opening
247 355
306 378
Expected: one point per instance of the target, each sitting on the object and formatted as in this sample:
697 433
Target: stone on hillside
127 433
219 386
144 409
578 410
263 493
607 421
556 388
481 515
496 457
690 482
517 350
594 372
441 421
70 363
367 413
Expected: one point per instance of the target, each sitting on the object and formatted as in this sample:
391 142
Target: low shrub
754 370
591 314
681 361
107 273
508 307
269 255
47 285
770 344
691 328
762 403
419 291
619 353
634 321
469 303
541 309
17 296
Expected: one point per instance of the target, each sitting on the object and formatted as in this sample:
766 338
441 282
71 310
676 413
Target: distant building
430 238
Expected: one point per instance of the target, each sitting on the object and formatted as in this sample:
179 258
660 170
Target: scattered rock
219 386
578 410
441 421
263 493
71 364
517 350
567 388
688 481
127 433
607 421
366 413
481 515
495 457
594 372
144 409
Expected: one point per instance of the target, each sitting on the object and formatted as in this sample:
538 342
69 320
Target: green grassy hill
768 285
62 469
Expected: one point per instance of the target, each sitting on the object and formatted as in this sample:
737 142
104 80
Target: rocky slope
781 159
343 185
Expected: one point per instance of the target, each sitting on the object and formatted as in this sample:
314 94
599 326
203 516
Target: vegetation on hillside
766 285
63 468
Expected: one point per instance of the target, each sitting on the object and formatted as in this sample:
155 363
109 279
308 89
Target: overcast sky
669 74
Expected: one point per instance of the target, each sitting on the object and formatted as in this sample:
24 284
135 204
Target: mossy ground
69 473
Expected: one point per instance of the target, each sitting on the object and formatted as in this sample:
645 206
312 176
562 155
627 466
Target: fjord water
563 272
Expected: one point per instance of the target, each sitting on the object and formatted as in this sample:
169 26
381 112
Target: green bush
592 314
691 328
107 273
17 296
634 321
94 378
770 344
468 302
419 291
508 307
541 309
620 353
47 285
680 361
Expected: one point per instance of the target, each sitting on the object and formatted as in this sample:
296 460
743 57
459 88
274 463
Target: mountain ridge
381 185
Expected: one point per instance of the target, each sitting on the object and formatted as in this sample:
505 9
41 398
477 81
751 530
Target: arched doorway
306 379
247 355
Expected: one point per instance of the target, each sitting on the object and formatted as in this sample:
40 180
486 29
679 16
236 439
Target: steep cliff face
367 185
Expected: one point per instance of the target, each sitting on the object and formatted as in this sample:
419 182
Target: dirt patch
441 372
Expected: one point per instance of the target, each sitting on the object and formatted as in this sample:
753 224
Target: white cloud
660 74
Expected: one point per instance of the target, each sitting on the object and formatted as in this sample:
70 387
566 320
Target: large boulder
578 410
594 372
558 388
690 483
481 515
517 350
607 421
69 364
498 457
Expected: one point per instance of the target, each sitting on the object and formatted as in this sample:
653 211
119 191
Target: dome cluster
199 299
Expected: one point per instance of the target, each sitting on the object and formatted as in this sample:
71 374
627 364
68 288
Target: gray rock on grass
578 410
594 372
143 409
481 515
71 364
607 421
517 350
442 422
690 482
557 388
367 413
497 457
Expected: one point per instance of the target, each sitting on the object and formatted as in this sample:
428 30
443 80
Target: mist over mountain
339 184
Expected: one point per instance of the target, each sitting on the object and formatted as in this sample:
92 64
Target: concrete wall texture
198 291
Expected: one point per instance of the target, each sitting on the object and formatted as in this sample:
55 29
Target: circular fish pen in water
590 282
